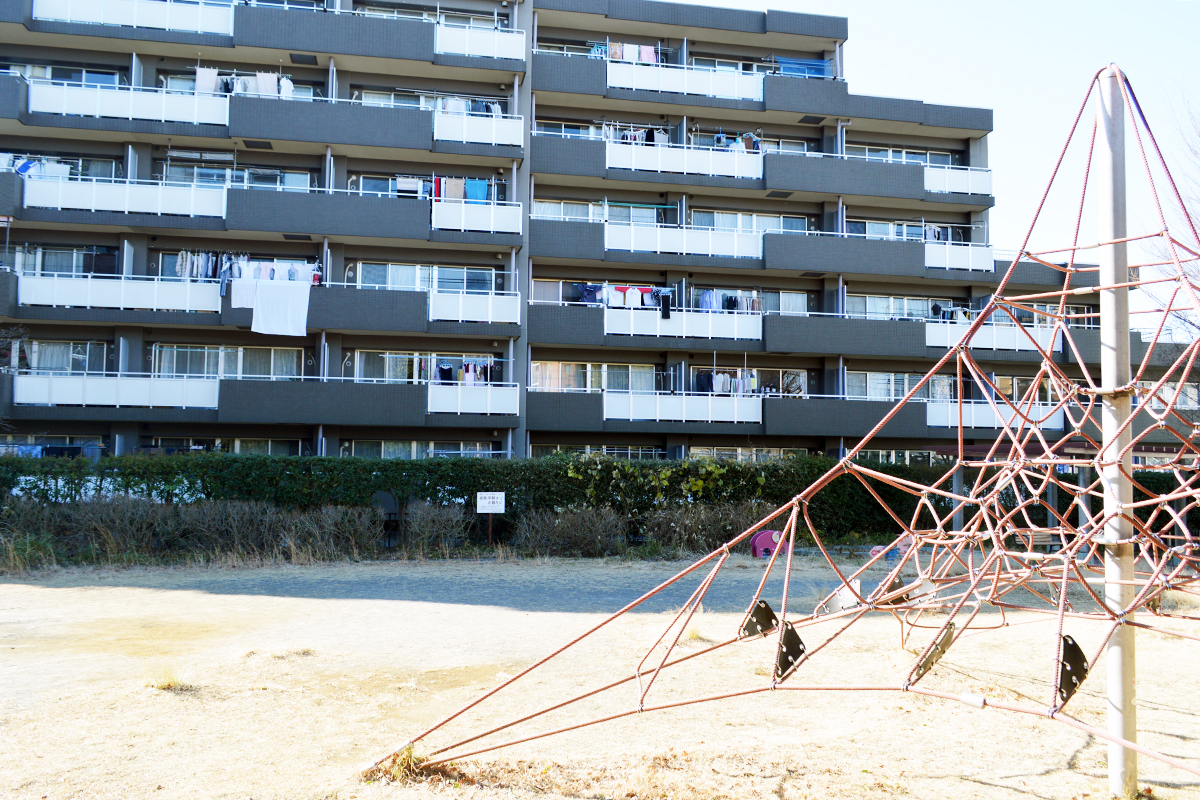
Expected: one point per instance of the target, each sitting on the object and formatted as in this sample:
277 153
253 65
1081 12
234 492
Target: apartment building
362 227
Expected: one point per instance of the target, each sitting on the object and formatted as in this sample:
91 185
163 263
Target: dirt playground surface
295 677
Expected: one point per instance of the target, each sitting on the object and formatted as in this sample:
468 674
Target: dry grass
585 532
167 679
702 527
1181 601
434 530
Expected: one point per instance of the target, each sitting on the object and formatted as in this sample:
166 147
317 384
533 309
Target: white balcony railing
468 40
495 398
476 215
944 335
980 414
475 307
91 291
194 15
685 80
125 196
955 255
478 128
137 390
965 180
663 407
695 324
728 162
126 102
691 241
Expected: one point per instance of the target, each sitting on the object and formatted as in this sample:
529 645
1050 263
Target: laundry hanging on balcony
278 296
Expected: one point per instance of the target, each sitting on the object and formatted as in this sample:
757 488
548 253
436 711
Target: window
570 130
885 385
267 447
573 211
562 376
891 307
745 453
933 158
66 358
748 221
248 177
377 366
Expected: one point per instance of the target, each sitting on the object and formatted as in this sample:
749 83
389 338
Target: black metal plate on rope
790 652
1072 670
938 650
762 620
896 585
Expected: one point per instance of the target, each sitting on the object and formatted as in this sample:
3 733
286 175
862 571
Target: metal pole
1116 463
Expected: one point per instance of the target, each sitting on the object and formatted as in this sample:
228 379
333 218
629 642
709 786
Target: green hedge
630 487
633 488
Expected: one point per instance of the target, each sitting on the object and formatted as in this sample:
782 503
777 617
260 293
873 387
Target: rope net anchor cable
971 545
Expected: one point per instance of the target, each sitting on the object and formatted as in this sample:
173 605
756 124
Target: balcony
496 398
196 16
468 40
726 162
476 215
479 128
114 390
963 180
944 335
125 102
682 407
691 324
955 255
124 196
93 291
685 80
494 307
981 414
687 240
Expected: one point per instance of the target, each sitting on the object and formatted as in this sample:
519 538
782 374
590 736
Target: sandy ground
297 676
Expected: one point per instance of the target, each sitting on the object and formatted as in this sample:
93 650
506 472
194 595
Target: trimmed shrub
583 532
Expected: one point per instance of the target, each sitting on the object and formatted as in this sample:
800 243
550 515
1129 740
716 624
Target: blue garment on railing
588 292
803 67
598 51
476 190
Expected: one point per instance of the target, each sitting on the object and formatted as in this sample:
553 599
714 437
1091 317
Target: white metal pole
1116 463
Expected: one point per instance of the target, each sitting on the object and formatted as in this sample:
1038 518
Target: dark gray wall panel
118 316
501 330
570 74
564 411
482 150
8 294
367 310
136 34
330 123
956 198
695 428
846 255
690 345
678 179
843 176
109 414
807 25
328 214
694 100
833 98
577 6
6 395
503 65
785 416
317 403
553 239
471 421
13 97
12 191
18 11
119 220
504 240
675 260
837 336
556 155
339 34
578 325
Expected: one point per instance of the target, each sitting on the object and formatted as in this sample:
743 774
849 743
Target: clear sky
1030 62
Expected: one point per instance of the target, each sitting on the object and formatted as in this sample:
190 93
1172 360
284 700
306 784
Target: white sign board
489 502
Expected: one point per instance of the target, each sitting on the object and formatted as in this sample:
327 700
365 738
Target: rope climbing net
969 542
